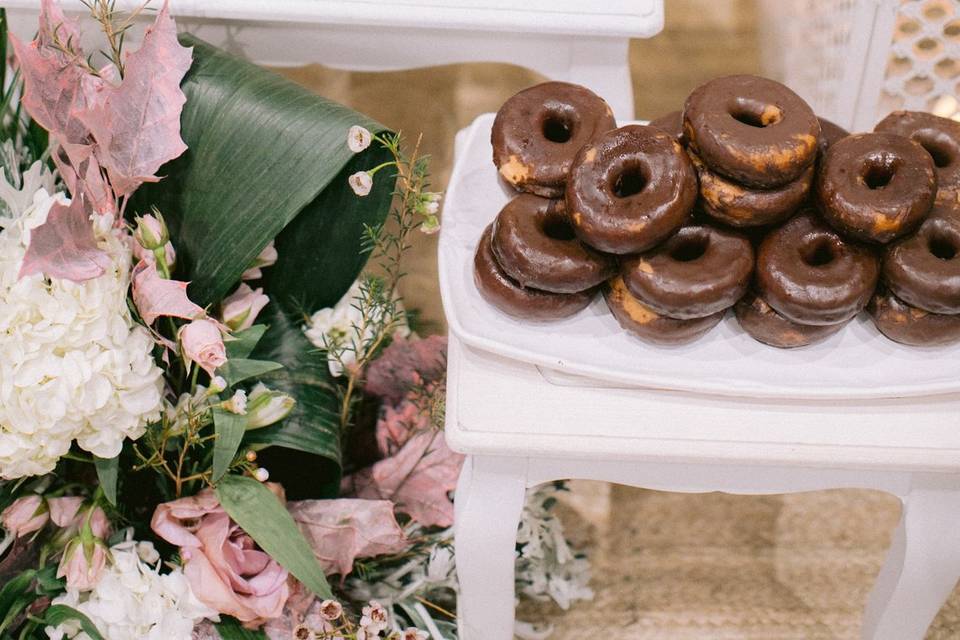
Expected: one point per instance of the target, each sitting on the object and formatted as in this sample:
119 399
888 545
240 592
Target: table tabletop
500 406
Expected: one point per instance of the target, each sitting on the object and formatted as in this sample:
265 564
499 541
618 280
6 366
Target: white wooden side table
519 429
582 42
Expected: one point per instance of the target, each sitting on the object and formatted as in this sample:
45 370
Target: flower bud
361 182
261 474
236 404
240 309
266 258
202 343
358 138
83 563
25 515
265 407
151 232
217 384
430 225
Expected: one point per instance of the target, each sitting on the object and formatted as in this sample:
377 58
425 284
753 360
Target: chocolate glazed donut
630 190
765 325
672 123
829 134
538 131
811 275
739 206
535 245
876 186
939 136
501 291
647 324
923 270
753 130
908 325
699 271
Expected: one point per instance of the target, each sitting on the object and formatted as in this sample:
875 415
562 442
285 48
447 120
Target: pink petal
63 511
137 123
156 296
340 531
64 246
168 518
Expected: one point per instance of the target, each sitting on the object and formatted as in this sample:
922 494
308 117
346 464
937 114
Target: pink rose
63 511
221 562
202 343
169 254
83 563
25 515
240 309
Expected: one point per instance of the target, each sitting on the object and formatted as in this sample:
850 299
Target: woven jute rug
682 567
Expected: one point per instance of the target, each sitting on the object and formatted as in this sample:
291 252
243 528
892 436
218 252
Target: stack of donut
745 199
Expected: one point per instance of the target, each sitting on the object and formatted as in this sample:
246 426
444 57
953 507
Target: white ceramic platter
856 363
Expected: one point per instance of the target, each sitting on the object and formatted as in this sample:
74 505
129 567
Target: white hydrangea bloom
133 601
73 364
338 329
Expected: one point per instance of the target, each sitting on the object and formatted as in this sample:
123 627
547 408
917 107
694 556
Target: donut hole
879 170
818 253
690 249
557 127
630 180
942 247
755 113
557 228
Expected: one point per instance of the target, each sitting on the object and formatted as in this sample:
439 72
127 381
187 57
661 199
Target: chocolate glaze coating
655 181
908 325
876 186
829 134
740 206
811 275
535 245
698 271
940 137
923 269
672 123
753 130
648 325
498 289
537 133
765 325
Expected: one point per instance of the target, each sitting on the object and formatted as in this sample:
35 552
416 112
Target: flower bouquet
210 403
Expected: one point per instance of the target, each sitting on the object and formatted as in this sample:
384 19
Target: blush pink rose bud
225 568
266 258
240 309
202 343
151 232
168 254
25 515
83 563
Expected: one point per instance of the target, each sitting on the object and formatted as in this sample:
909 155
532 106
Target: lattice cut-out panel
923 70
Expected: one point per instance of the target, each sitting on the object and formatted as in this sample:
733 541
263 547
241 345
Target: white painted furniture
818 418
582 42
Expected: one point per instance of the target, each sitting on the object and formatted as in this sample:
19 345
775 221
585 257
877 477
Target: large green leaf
107 471
313 427
267 521
229 428
262 153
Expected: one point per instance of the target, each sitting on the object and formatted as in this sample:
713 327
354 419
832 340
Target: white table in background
582 42
520 429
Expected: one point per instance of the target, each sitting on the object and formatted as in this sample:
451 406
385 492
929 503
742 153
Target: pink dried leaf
137 123
405 363
55 25
340 531
155 296
417 479
52 92
64 246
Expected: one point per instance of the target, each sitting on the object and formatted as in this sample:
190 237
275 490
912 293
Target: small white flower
431 208
361 182
358 138
331 610
411 633
147 552
237 403
261 474
217 384
374 618
430 226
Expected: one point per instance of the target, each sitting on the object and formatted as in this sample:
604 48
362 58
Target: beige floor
666 566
